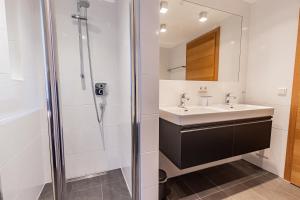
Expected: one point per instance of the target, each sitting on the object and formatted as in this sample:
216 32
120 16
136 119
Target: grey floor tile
215 196
112 176
238 180
241 192
88 194
228 175
47 193
115 191
84 184
248 168
271 187
110 186
179 190
199 184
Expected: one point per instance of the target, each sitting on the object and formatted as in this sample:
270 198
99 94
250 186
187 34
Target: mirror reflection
198 43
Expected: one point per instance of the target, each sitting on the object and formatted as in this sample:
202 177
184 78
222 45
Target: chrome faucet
183 100
228 98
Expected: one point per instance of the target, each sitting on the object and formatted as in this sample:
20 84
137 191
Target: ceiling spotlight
203 17
163 28
164 7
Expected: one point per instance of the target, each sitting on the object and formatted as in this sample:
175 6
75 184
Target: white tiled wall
21 167
124 64
21 155
4 51
110 54
272 47
171 90
150 87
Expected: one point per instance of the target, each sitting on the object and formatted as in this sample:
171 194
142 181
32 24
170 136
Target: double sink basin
215 113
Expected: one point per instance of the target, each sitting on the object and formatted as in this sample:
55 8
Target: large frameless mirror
199 43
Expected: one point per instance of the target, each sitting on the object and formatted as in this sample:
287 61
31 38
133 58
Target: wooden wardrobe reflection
202 57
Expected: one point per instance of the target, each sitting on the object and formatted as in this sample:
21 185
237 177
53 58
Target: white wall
149 89
21 159
272 47
170 91
124 64
84 152
4 51
230 49
176 58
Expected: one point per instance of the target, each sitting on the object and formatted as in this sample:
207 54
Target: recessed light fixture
203 17
164 7
163 28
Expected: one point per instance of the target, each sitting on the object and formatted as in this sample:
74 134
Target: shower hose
101 109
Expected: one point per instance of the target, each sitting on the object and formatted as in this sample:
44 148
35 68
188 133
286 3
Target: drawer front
206 145
170 141
252 137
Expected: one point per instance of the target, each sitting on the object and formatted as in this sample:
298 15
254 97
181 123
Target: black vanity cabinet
188 146
252 136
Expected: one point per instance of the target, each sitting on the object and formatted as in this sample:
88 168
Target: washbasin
191 110
215 113
239 107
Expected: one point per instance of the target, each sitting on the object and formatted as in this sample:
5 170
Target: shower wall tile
92 162
149 30
149 25
149 133
150 193
170 91
21 157
149 169
271 66
150 91
81 129
21 167
12 140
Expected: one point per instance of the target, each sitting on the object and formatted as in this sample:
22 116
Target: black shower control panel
100 89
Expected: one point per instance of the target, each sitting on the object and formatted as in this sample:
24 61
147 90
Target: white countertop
214 113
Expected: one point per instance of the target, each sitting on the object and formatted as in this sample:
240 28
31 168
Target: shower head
83 4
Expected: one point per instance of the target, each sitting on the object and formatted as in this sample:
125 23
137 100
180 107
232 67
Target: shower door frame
55 128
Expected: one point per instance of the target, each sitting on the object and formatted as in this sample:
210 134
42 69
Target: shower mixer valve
100 89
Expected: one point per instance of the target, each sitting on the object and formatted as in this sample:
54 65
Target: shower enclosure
91 50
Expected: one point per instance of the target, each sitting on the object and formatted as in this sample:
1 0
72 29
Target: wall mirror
198 43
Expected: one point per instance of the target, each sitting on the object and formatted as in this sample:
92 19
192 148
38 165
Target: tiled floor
239 180
110 186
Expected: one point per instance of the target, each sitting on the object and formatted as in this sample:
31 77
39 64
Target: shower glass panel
24 149
94 59
95 95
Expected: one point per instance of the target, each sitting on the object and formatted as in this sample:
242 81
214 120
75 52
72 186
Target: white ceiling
183 25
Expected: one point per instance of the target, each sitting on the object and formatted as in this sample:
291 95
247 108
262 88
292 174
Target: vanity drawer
199 144
206 145
251 137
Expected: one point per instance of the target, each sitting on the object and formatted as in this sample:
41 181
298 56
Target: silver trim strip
53 101
223 126
135 97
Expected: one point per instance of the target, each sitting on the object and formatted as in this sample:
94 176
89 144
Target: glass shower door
94 72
